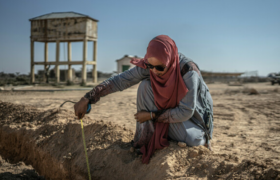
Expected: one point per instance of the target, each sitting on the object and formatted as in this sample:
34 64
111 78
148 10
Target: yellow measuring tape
85 146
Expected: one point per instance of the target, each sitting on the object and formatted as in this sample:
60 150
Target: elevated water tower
64 27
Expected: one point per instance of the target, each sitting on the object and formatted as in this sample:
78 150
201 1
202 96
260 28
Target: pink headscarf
168 89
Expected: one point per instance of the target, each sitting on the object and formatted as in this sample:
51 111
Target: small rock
131 149
182 144
64 157
62 132
193 153
171 149
21 164
253 91
69 154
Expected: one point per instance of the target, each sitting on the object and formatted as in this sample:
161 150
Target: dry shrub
276 90
250 91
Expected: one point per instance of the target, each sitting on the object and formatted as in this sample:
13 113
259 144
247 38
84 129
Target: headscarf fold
168 89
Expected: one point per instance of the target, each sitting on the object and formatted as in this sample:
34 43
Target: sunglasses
158 68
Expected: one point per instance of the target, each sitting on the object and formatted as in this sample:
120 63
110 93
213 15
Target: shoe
138 152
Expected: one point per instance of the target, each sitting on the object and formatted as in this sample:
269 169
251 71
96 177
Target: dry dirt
34 132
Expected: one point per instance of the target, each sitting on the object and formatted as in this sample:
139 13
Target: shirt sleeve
186 108
119 82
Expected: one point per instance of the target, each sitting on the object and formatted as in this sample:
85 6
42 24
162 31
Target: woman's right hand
81 107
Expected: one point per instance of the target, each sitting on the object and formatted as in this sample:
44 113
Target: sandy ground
246 138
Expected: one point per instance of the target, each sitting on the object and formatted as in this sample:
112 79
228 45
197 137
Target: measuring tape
85 147
83 134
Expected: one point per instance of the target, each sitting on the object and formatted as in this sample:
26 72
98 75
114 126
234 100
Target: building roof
60 15
129 56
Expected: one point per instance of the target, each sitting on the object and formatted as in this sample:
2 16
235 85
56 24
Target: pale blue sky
219 35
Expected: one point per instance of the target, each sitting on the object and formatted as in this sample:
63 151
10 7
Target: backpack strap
185 69
190 66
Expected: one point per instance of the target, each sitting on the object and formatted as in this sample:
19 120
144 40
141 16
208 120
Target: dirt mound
250 91
51 141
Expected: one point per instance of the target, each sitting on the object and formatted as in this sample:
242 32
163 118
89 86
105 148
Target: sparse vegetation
14 79
69 83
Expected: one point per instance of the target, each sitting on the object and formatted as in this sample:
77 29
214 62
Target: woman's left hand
142 116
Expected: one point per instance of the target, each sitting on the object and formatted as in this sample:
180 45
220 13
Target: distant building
124 63
225 77
67 27
206 74
63 74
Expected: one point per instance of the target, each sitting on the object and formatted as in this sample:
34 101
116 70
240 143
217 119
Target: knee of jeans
144 86
193 140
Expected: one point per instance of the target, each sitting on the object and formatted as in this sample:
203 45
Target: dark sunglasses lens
159 68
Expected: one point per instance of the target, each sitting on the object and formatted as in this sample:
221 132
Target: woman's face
155 62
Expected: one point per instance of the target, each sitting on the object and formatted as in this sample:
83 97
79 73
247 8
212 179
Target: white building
124 63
